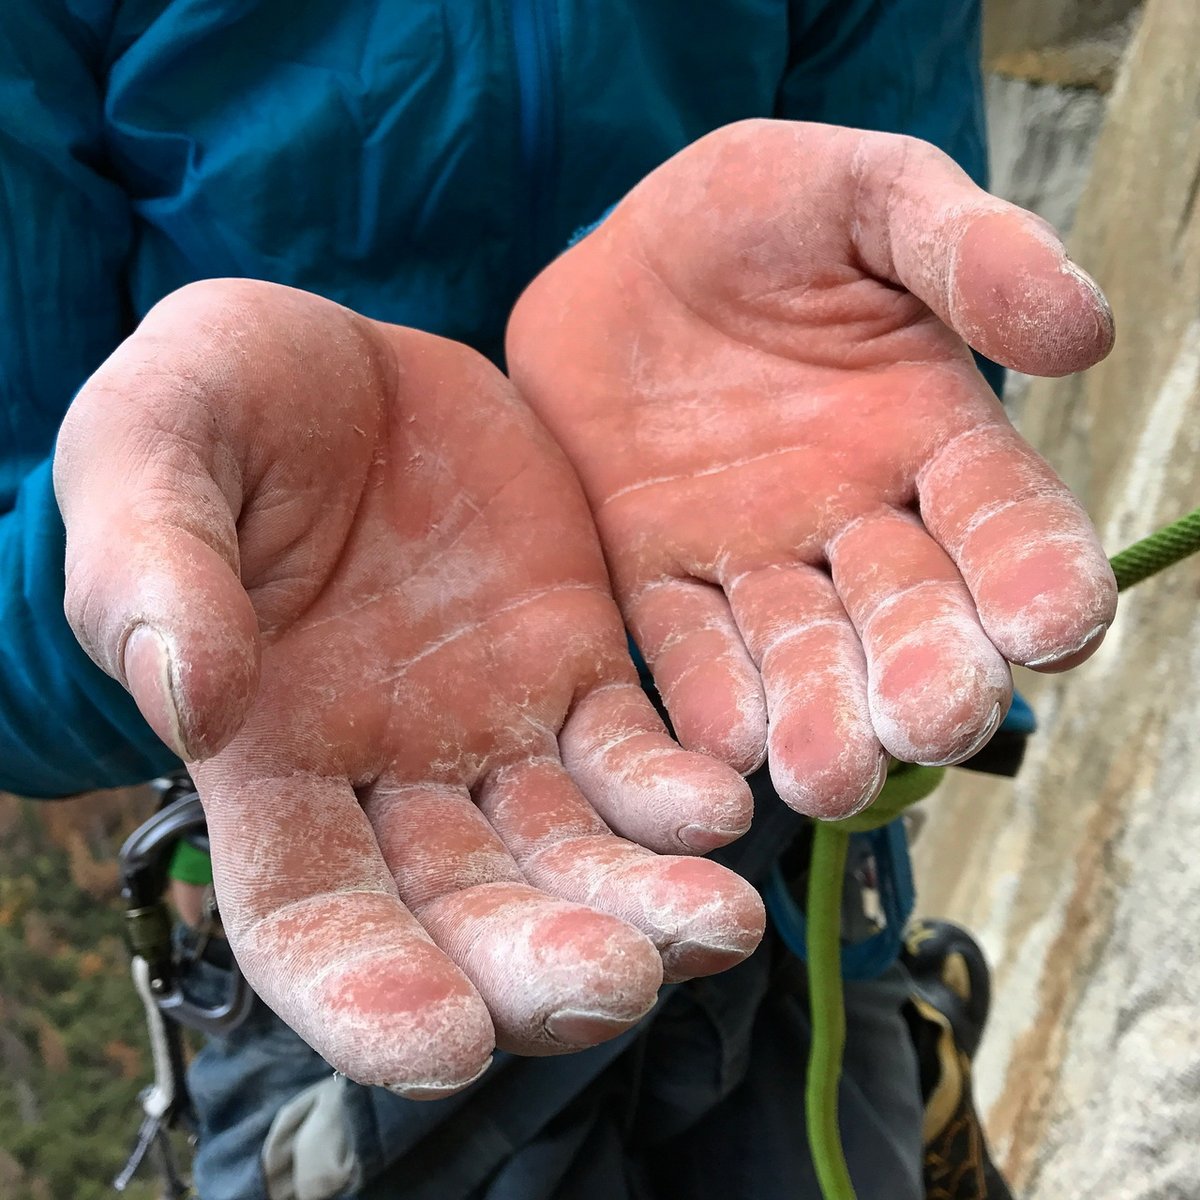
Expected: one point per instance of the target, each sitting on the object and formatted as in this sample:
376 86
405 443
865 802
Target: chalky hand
823 532
347 575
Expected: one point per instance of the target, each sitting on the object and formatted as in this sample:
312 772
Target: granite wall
1083 877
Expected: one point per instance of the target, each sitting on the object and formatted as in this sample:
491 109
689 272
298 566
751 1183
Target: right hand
349 578
824 533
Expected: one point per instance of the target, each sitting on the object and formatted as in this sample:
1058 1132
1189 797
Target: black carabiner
144 862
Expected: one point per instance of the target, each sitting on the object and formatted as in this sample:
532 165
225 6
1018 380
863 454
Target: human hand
347 576
822 530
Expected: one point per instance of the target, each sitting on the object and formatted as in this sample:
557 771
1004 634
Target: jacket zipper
536 42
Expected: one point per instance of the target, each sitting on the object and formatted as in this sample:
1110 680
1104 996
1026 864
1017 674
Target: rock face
1042 137
1083 877
1015 27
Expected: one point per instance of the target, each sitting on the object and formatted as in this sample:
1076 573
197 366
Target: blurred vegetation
73 1051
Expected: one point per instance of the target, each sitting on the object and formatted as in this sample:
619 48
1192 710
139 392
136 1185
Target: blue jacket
416 160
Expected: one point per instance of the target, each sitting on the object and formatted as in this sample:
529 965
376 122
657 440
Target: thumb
996 274
150 504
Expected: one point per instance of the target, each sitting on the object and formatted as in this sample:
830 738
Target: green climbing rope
1157 552
905 786
828 1013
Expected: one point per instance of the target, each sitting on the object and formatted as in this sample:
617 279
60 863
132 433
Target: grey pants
706 1105
703 1101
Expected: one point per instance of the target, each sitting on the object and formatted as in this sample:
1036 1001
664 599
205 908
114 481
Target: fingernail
700 839
872 789
985 736
1077 272
431 1090
1061 655
707 956
149 675
575 1027
1092 286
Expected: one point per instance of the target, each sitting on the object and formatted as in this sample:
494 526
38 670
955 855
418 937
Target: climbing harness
158 967
831 845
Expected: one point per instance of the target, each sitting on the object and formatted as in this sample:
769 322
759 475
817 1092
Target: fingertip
643 784
704 839
1016 297
410 1022
169 619
219 671
825 758
977 735
702 917
555 975
597 997
717 800
1052 607
686 959
722 714
1055 663
1095 302
937 702
717 919
194 701
740 744
708 681
834 789
435 1089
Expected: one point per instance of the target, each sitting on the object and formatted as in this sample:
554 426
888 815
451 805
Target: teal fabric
416 160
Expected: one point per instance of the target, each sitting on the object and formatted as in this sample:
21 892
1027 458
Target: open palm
358 585
824 534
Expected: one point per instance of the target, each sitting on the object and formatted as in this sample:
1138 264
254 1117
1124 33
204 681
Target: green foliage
73 1053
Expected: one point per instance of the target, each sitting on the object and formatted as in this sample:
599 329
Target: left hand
346 573
823 532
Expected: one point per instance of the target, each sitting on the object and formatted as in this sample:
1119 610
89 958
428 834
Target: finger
556 976
937 687
642 784
995 273
1025 547
313 918
824 756
702 670
165 613
701 917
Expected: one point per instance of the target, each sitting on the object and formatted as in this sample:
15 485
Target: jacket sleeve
65 235
898 66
